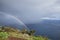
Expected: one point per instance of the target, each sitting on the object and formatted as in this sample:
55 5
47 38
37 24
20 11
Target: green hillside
7 33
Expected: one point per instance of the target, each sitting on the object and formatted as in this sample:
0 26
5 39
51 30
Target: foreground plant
3 35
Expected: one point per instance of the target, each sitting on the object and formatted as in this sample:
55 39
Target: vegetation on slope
7 32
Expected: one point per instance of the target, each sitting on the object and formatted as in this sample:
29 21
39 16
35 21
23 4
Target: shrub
3 35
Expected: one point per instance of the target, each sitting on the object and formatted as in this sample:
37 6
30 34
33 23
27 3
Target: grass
6 32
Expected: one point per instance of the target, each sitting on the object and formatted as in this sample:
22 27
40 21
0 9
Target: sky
31 11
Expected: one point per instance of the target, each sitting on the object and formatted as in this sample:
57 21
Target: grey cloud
30 11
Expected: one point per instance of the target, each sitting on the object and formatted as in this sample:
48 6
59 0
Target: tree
31 32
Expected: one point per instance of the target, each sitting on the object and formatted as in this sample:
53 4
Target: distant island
10 33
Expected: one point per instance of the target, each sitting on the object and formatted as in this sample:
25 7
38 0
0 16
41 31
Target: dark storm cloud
30 11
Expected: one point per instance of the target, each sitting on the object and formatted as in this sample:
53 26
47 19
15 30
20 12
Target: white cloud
52 17
48 18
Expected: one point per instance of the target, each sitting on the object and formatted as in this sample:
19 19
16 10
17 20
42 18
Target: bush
40 38
3 35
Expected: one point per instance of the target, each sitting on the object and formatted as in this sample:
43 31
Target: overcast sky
31 11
